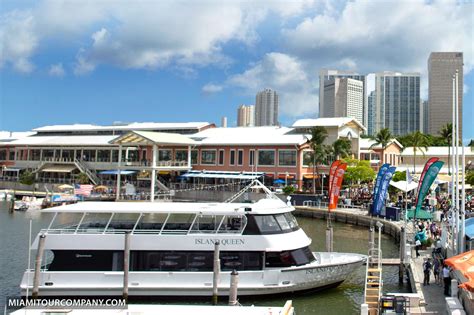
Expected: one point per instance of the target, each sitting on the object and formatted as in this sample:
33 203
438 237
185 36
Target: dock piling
401 269
234 283
329 236
126 265
371 237
216 273
39 258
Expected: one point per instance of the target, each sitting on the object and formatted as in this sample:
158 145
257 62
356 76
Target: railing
84 168
158 163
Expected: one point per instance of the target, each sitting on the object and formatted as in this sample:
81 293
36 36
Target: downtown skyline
99 62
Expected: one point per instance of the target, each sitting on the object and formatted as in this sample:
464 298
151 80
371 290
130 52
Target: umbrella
278 181
465 264
101 187
65 186
403 185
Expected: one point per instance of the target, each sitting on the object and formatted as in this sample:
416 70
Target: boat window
284 225
179 222
96 260
151 222
94 222
291 220
297 257
66 221
122 222
206 223
232 224
267 223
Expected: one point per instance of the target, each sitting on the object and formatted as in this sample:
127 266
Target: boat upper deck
263 206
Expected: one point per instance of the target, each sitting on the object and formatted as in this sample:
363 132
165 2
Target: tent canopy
403 185
420 214
465 264
115 172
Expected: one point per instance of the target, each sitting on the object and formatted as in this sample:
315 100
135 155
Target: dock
389 262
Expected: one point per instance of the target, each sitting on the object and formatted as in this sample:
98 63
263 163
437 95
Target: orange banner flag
336 185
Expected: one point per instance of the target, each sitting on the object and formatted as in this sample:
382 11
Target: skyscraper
441 68
397 102
424 116
266 108
371 102
344 97
325 74
246 116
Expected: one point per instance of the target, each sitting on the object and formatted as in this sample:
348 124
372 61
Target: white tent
403 185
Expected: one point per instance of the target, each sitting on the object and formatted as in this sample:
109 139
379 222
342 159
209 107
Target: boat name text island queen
172 248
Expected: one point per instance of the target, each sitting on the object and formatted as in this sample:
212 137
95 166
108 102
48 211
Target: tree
82 178
27 178
358 171
318 136
446 133
398 176
384 138
470 178
419 142
342 148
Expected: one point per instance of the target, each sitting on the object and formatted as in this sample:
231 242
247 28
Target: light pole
322 184
286 179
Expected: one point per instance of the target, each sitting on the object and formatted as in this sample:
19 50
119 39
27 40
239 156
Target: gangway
373 275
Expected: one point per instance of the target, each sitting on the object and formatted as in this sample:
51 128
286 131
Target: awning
115 172
59 168
283 176
223 175
11 169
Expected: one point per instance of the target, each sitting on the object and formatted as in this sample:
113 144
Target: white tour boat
171 248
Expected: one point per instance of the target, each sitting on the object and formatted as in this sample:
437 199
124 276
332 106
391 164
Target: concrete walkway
432 299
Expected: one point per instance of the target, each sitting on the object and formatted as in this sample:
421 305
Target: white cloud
18 40
212 88
284 74
57 70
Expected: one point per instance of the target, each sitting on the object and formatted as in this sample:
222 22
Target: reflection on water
344 299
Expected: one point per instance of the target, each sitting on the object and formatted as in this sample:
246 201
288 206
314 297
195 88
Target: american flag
83 190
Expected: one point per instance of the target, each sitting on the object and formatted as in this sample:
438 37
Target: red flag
332 170
427 166
336 185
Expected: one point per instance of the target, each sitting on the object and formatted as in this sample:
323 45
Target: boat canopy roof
263 206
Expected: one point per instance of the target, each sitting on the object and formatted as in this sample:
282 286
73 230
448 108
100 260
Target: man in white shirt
446 279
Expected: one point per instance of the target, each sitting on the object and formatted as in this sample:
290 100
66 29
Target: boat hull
329 270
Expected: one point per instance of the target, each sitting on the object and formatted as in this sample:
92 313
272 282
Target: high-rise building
344 97
266 108
397 102
325 74
441 68
371 106
224 122
246 116
424 117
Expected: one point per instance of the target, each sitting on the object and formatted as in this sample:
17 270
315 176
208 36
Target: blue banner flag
380 174
382 193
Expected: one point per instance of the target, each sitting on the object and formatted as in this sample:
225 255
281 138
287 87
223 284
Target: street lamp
286 179
322 184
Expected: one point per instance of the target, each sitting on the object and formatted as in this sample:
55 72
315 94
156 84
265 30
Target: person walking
436 270
426 271
446 279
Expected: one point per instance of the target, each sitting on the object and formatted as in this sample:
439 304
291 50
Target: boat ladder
373 280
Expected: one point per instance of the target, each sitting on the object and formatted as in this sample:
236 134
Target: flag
422 176
428 179
409 178
380 175
332 170
336 185
83 190
382 193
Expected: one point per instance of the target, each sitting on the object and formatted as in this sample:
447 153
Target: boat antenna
29 264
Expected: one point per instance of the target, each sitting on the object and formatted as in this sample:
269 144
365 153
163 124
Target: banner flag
422 176
380 175
382 193
336 185
409 179
428 179
332 170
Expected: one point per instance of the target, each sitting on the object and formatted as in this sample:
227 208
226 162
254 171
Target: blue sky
100 61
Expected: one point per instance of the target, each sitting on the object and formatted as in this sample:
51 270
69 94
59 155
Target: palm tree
446 134
384 138
342 148
318 136
418 141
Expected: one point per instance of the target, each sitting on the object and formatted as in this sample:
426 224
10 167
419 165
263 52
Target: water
344 299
